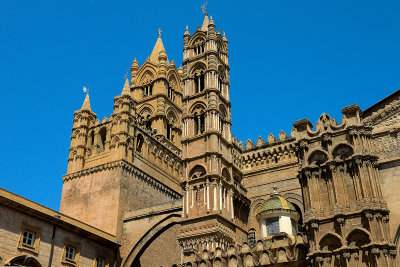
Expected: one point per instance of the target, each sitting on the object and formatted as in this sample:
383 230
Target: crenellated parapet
280 250
346 216
274 153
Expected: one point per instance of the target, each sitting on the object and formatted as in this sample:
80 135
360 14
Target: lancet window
199 82
171 93
199 123
148 90
139 143
169 132
103 136
199 49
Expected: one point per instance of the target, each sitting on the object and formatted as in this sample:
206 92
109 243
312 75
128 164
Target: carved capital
346 255
314 225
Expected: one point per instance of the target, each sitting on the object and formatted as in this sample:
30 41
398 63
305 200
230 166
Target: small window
100 262
70 253
272 226
28 239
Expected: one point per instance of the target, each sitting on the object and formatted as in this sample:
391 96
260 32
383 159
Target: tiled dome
276 202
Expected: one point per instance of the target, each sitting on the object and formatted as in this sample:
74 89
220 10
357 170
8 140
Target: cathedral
163 182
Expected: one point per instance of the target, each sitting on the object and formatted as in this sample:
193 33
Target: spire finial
86 89
275 188
126 89
86 102
204 8
159 32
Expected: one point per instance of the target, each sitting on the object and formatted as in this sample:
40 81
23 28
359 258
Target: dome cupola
277 215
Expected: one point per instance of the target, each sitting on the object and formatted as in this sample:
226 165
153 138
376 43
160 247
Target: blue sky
289 60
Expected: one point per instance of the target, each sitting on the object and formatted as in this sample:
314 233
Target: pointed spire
126 90
86 103
158 47
204 27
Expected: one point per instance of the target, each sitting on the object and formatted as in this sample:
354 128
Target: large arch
145 241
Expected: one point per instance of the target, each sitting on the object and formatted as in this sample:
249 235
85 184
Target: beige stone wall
266 165
94 199
102 198
163 251
150 233
11 221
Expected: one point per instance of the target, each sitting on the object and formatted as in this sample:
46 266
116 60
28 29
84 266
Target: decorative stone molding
127 167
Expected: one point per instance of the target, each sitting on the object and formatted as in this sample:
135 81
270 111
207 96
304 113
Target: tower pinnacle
125 90
86 103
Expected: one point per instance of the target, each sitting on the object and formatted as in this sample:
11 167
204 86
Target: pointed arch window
103 137
169 132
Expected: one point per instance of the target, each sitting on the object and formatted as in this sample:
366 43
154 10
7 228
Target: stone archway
23 260
145 241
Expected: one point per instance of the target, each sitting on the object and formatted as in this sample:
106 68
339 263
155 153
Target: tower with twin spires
215 207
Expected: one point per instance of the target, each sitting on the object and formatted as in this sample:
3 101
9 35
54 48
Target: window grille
272 226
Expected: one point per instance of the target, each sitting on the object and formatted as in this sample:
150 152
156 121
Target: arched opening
23 260
148 90
357 238
103 137
199 82
330 242
317 157
139 143
197 171
199 125
148 124
300 221
342 151
169 135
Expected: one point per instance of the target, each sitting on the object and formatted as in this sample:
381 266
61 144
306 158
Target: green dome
276 202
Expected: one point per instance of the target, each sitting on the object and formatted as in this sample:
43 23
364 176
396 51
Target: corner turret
83 120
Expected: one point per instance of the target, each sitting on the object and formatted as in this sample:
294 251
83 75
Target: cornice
126 167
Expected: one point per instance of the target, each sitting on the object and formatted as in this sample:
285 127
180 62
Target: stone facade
52 232
165 177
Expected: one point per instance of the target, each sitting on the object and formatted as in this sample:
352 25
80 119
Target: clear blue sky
289 60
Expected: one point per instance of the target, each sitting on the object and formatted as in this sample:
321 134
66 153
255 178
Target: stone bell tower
346 217
215 206
157 87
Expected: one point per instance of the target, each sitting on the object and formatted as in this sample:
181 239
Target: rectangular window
100 262
28 239
70 253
